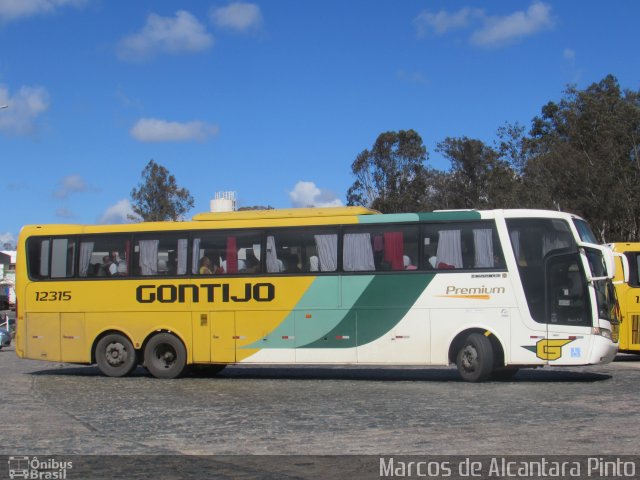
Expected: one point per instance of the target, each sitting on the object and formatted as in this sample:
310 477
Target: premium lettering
452 290
206 293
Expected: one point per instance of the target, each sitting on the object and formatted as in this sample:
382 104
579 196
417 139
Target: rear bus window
51 257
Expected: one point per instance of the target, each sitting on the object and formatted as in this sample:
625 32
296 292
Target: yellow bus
628 290
488 291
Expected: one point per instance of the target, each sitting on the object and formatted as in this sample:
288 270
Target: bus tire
115 355
475 358
165 356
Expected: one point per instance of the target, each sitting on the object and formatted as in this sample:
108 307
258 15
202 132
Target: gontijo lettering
206 292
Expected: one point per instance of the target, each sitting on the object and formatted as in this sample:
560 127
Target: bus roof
284 213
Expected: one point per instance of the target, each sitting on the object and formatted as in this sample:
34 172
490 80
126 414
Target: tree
584 156
391 177
478 177
158 197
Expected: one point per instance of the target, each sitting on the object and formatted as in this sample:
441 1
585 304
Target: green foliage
391 177
479 178
158 197
582 155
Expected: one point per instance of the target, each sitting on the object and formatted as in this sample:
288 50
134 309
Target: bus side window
380 248
160 254
634 268
302 251
104 256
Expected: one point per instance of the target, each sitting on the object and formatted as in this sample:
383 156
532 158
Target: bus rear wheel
115 355
475 358
165 356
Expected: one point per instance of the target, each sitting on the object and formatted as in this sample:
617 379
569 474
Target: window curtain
515 243
394 250
86 250
232 255
483 242
273 265
358 253
149 256
327 246
183 243
449 253
123 266
195 261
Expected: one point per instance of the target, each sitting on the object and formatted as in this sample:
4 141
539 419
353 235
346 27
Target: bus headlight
603 332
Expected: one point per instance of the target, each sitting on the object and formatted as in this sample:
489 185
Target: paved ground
58 409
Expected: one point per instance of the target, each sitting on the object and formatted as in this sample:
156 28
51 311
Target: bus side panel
43 336
253 334
223 337
139 325
213 337
406 343
201 337
73 347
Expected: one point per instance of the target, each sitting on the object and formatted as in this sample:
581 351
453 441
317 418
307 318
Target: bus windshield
605 291
584 230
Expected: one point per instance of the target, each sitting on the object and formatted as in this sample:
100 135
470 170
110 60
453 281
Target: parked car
5 338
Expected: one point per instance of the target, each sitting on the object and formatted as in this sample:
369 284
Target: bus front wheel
115 355
165 356
475 358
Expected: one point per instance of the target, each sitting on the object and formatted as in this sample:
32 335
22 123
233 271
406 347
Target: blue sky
271 99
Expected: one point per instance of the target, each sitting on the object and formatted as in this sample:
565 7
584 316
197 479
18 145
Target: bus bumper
603 351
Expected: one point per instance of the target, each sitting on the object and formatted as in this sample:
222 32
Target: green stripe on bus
448 215
388 218
381 306
324 303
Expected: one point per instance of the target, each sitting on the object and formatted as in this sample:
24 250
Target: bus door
568 309
214 337
630 304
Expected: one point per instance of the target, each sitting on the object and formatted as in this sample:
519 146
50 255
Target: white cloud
23 109
501 30
307 194
238 16
413 77
443 22
156 130
16 9
569 55
174 35
487 30
572 70
63 212
118 213
7 238
70 184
